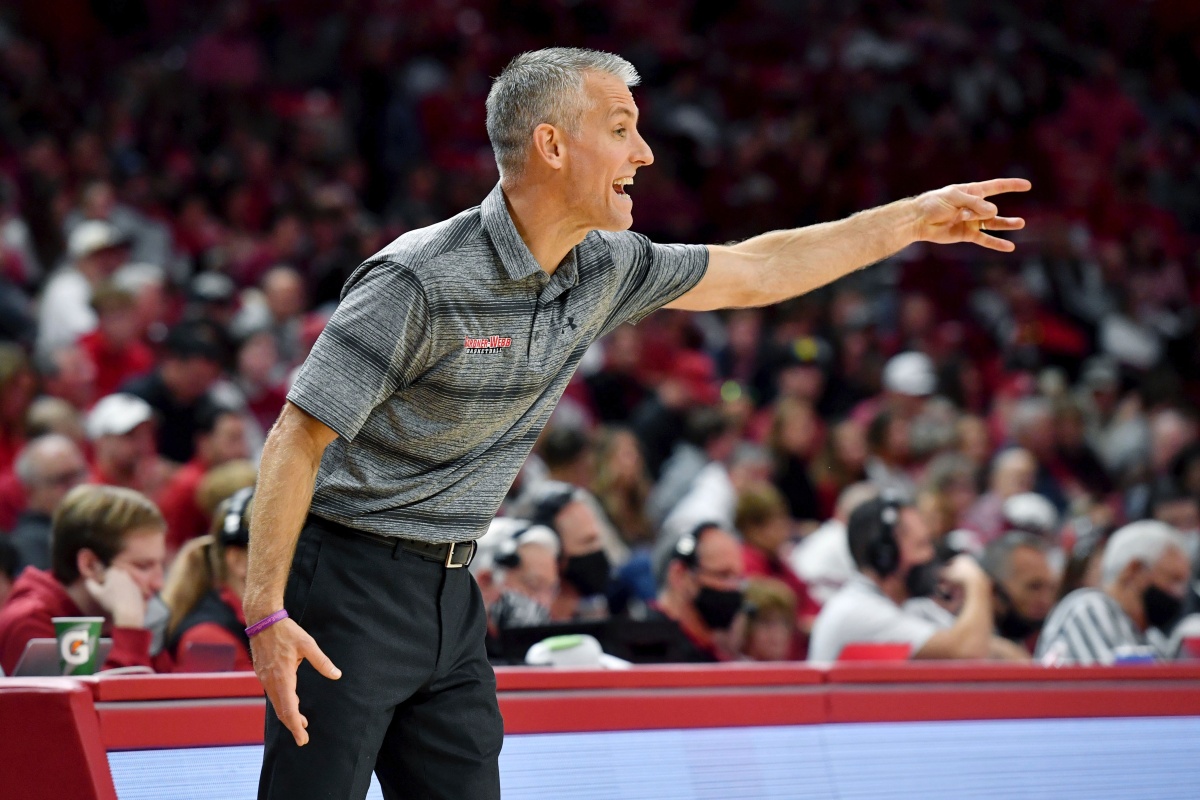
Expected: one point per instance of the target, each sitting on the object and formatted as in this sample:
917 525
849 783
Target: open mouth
621 184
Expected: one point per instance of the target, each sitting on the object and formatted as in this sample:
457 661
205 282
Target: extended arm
783 264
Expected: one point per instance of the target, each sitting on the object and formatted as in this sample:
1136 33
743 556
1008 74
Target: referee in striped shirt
1144 578
425 393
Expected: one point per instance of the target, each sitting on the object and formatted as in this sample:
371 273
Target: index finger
998 186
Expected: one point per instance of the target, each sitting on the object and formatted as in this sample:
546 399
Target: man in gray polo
423 396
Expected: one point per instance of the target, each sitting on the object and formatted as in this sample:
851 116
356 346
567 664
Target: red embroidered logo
492 344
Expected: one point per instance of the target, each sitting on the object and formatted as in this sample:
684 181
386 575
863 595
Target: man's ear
1132 573
549 145
89 565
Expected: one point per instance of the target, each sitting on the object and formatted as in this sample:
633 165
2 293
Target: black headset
507 554
687 546
883 551
548 507
235 527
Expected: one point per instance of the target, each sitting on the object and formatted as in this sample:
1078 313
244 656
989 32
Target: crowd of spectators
185 187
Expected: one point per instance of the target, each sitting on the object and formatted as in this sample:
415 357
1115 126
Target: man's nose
643 156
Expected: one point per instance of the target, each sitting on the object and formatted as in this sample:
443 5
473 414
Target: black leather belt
451 555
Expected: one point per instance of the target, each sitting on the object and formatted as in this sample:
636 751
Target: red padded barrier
922 703
675 676
184 723
112 688
577 712
50 746
975 672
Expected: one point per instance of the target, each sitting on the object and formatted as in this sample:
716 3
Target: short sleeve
884 622
651 275
376 343
853 617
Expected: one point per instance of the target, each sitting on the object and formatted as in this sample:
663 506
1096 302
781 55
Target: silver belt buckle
450 557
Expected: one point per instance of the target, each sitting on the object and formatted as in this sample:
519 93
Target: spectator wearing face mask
702 592
516 568
584 568
1144 579
1023 586
894 552
525 572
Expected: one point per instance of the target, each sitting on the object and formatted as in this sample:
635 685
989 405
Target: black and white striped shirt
1089 627
447 354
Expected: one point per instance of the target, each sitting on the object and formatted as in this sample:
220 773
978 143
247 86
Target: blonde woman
207 581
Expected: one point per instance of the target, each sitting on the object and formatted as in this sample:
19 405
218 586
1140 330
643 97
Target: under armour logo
568 325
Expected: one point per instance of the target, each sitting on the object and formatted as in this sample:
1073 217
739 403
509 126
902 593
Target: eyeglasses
66 479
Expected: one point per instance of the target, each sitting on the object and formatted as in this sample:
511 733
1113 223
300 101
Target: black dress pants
416 702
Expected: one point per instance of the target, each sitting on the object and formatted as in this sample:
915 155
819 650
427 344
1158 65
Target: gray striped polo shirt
446 355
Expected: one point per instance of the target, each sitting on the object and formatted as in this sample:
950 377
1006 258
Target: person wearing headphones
207 582
703 592
894 551
584 569
517 569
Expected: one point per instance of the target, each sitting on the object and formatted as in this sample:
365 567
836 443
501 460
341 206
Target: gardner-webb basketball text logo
491 344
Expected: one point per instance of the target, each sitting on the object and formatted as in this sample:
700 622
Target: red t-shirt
177 501
115 365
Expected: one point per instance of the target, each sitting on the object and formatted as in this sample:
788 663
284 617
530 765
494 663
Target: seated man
583 565
893 550
1144 575
516 568
702 592
1023 586
107 551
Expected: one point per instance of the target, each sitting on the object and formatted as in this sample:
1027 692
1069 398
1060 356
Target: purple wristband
266 622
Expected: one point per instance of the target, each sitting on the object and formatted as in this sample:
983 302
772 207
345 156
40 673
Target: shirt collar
514 254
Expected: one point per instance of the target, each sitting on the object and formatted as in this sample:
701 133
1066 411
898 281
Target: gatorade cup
78 641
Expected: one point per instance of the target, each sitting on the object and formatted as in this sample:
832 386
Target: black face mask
718 607
1017 627
588 573
1162 608
1013 625
922 579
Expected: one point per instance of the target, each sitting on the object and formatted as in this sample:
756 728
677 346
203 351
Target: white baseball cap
1030 512
91 236
117 415
911 374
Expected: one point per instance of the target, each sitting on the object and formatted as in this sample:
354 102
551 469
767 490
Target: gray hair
1145 541
28 461
1028 412
543 86
997 558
